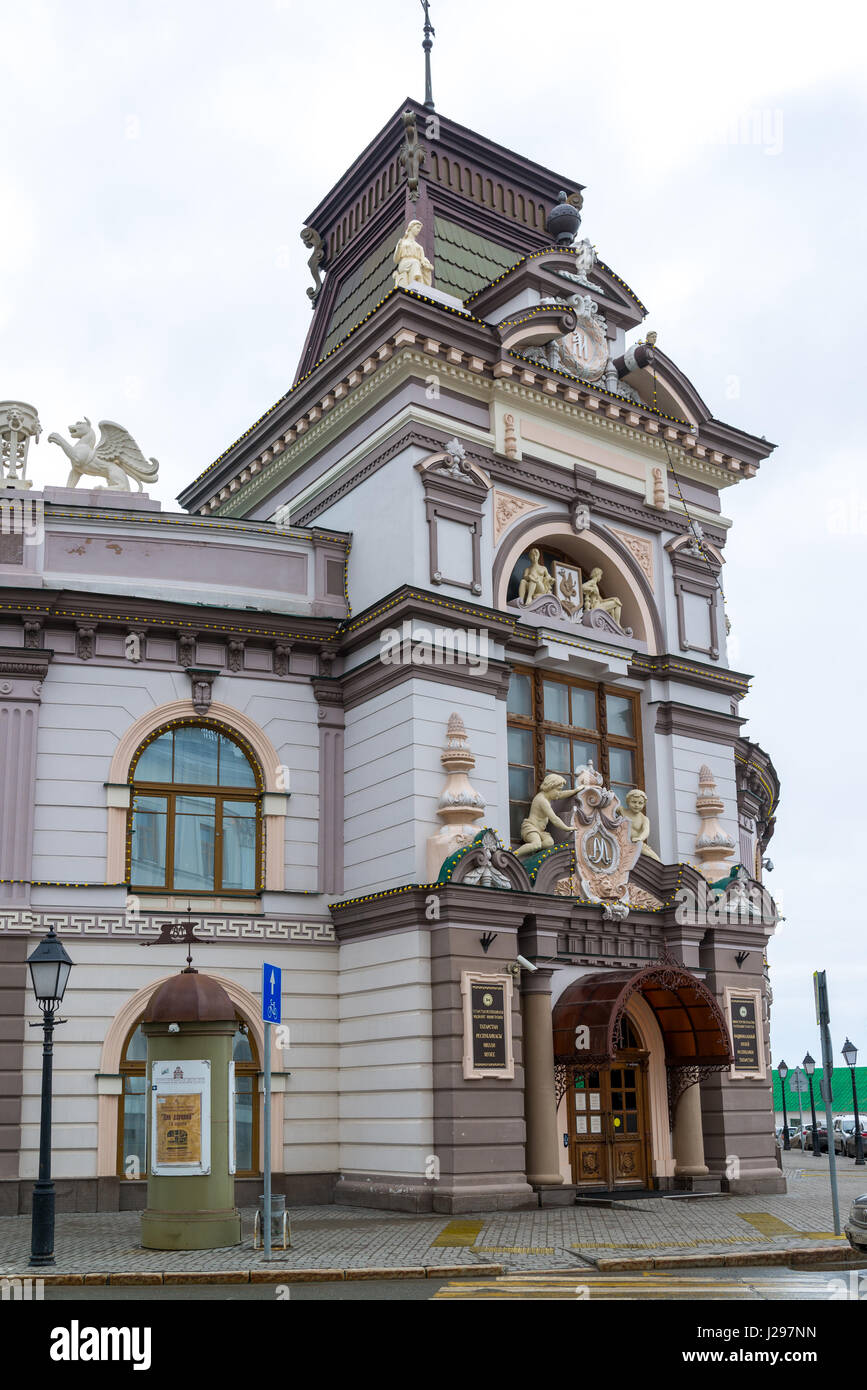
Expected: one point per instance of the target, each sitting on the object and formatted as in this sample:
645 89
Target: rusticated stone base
752 1185
392 1193
555 1194
116 1194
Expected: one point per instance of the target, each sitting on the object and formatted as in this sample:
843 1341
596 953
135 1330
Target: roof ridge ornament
412 155
564 219
427 45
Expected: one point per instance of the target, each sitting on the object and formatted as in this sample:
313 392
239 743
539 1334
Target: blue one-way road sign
271 993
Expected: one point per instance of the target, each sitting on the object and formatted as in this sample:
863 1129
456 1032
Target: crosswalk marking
657 1284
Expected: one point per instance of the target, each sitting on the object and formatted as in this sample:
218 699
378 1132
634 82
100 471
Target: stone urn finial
713 846
459 804
19 423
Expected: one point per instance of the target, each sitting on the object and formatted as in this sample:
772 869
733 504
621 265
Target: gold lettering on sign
179 1128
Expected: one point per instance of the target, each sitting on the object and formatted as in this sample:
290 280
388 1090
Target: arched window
132 1116
195 823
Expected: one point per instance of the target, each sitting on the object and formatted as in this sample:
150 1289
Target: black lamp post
783 1072
809 1065
49 972
850 1057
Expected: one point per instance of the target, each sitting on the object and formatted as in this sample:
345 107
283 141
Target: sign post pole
271 1013
823 1018
800 1089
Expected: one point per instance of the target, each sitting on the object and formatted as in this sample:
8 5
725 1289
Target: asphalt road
758 1284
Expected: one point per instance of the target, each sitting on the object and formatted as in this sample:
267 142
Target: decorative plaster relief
507 508
640 549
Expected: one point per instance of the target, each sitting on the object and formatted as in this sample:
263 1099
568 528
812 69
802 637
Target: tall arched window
195 822
132 1119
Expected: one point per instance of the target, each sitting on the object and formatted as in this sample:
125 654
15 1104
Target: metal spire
427 45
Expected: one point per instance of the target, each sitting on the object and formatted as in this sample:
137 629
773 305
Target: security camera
174 1028
768 864
527 964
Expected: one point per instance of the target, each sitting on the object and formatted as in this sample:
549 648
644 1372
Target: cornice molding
691 722
25 661
364 683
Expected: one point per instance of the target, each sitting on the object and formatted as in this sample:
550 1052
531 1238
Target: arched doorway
603 1059
608 1117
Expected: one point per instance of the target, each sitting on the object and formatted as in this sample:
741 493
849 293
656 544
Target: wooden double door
609 1125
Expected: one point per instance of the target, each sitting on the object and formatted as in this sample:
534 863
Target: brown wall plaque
488 1005
745 1033
488 1050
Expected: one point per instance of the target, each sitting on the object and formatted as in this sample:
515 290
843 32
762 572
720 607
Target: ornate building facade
423 696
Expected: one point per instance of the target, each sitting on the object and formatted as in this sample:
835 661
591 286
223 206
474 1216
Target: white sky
158 159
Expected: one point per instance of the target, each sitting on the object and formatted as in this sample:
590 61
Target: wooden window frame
170 791
538 726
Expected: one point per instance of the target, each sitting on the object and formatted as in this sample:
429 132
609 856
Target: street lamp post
49 971
850 1057
783 1072
809 1065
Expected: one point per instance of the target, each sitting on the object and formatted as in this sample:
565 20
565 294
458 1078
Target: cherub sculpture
593 598
534 831
535 581
413 266
636 802
116 457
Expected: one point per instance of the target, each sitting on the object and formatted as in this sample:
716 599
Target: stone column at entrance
540 1106
688 1138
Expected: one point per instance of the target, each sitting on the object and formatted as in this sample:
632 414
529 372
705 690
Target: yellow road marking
768 1224
459 1233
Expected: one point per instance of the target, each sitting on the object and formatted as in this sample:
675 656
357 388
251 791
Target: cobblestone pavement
348 1238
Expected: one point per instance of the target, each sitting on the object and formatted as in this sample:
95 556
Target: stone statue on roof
116 458
413 266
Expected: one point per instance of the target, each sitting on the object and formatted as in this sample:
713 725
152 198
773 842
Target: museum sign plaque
488 1005
487 1001
745 1034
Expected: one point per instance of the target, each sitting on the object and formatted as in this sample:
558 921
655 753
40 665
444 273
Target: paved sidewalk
349 1240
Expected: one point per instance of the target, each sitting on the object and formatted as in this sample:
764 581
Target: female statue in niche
535 580
593 598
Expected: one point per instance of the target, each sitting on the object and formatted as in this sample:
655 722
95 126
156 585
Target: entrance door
609 1135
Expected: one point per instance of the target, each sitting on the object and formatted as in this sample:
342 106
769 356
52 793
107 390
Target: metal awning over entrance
692 1024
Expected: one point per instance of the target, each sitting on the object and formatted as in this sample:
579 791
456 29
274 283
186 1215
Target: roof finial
427 45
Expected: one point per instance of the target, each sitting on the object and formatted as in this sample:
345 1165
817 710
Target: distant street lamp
783 1071
809 1065
850 1057
49 972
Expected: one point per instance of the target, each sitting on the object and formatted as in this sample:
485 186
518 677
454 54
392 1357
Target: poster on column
181 1118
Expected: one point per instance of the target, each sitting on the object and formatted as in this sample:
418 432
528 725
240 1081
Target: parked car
793 1132
855 1229
849 1150
843 1126
822 1134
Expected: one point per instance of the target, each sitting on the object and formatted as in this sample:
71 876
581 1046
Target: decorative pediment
486 864
453 464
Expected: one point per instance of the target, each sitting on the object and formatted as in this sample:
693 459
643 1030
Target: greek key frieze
119 924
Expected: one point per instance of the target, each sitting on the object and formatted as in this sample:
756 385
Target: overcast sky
159 159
